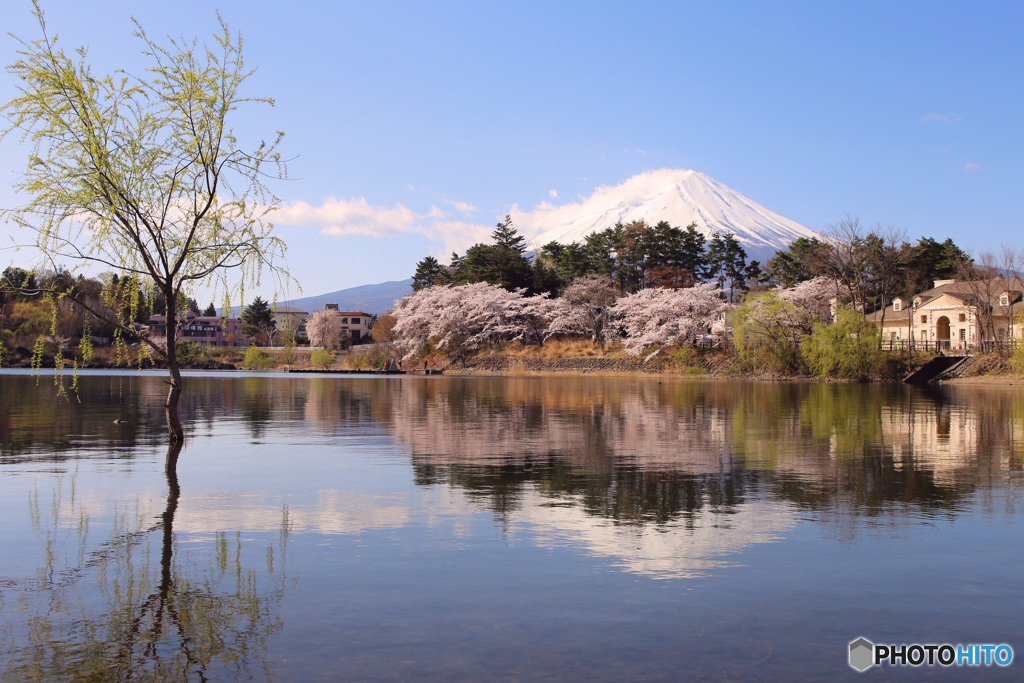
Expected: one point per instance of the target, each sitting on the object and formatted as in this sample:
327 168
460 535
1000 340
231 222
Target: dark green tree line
631 256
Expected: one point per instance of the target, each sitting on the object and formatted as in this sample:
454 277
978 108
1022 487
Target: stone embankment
511 365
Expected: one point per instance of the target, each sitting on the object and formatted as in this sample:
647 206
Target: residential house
289 318
202 329
956 314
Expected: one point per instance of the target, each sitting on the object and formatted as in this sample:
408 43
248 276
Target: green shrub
1017 360
766 333
289 345
892 366
188 351
256 359
846 349
321 358
685 356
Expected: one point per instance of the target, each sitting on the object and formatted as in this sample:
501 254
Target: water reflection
661 479
633 451
653 452
135 605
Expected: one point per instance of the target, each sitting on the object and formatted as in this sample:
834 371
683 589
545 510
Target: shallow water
407 527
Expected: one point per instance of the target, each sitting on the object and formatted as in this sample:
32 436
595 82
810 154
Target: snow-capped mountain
679 197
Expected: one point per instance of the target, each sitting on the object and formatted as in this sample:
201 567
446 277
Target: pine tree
506 236
429 272
258 321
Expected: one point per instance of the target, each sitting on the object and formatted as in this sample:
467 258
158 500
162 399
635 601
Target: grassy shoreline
575 358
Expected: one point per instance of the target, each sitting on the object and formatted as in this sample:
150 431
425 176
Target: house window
963 317
963 334
1004 299
355 321
924 319
892 336
344 321
897 305
1002 334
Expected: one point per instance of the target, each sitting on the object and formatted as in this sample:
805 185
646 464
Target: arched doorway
942 332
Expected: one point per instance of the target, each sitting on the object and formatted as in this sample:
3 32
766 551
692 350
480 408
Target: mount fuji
677 196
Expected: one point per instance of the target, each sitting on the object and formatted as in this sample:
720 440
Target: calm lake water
326 528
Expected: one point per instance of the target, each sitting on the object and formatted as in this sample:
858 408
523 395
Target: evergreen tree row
632 256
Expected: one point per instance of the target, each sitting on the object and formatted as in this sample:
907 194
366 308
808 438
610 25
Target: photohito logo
864 654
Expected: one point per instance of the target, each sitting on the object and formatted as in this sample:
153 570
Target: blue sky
415 126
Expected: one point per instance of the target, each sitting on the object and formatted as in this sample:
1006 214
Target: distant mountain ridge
378 298
680 197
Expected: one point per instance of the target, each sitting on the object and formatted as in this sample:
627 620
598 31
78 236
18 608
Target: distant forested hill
377 298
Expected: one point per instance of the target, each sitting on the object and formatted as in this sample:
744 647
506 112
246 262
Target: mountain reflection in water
667 480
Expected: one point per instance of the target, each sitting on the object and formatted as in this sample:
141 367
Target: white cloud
463 207
553 194
341 217
970 167
942 118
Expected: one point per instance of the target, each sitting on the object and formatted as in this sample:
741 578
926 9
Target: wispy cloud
462 207
341 217
970 167
553 194
947 119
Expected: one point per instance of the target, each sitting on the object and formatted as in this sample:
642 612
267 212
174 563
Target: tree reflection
644 452
177 619
634 452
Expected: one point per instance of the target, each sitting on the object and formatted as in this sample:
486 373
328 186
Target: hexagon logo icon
862 654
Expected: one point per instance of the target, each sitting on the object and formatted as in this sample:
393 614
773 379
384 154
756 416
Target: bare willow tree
867 265
141 173
1011 265
983 284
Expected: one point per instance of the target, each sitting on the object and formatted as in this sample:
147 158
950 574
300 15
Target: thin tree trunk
173 492
171 406
174 393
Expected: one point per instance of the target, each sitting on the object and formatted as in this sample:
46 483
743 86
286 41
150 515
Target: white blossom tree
814 296
585 309
463 317
666 317
324 328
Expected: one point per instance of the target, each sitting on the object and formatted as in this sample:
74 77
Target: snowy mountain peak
680 197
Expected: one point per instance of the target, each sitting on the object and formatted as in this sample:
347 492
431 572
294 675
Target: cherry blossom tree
666 317
584 309
459 318
323 328
815 296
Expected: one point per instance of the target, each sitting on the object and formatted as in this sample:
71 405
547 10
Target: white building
956 314
354 324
